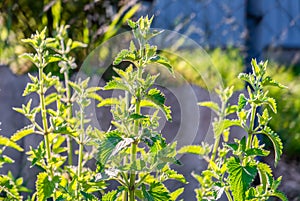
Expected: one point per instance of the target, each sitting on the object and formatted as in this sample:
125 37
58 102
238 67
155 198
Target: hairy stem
135 143
69 116
44 115
80 154
251 127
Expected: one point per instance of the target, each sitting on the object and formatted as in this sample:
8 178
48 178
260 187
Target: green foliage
120 153
232 167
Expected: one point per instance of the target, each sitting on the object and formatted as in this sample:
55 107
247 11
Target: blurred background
231 31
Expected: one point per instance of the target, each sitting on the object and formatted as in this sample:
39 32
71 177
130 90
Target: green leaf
157 96
242 102
9 143
264 172
107 146
268 81
276 142
27 130
220 126
137 116
154 100
125 55
240 177
88 196
45 186
76 87
212 105
163 61
172 174
174 195
257 152
77 44
30 88
51 98
157 192
108 102
193 149
255 68
245 77
110 196
280 195
272 103
116 85
32 57
53 58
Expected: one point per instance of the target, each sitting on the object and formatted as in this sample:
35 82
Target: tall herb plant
58 124
136 148
232 167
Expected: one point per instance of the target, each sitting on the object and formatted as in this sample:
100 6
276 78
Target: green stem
44 117
217 138
134 144
80 155
228 195
69 116
251 127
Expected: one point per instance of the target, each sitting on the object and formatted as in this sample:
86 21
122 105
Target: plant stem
44 116
135 143
69 115
80 154
251 127
228 195
217 138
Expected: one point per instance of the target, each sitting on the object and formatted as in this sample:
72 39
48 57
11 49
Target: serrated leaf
240 177
115 85
220 126
272 103
268 81
151 101
264 171
110 196
88 196
22 133
245 77
212 105
156 95
45 186
242 102
172 174
107 146
163 61
158 192
124 55
276 143
9 143
280 195
257 152
192 149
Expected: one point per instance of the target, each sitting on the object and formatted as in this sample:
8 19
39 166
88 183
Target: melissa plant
58 180
135 148
232 167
